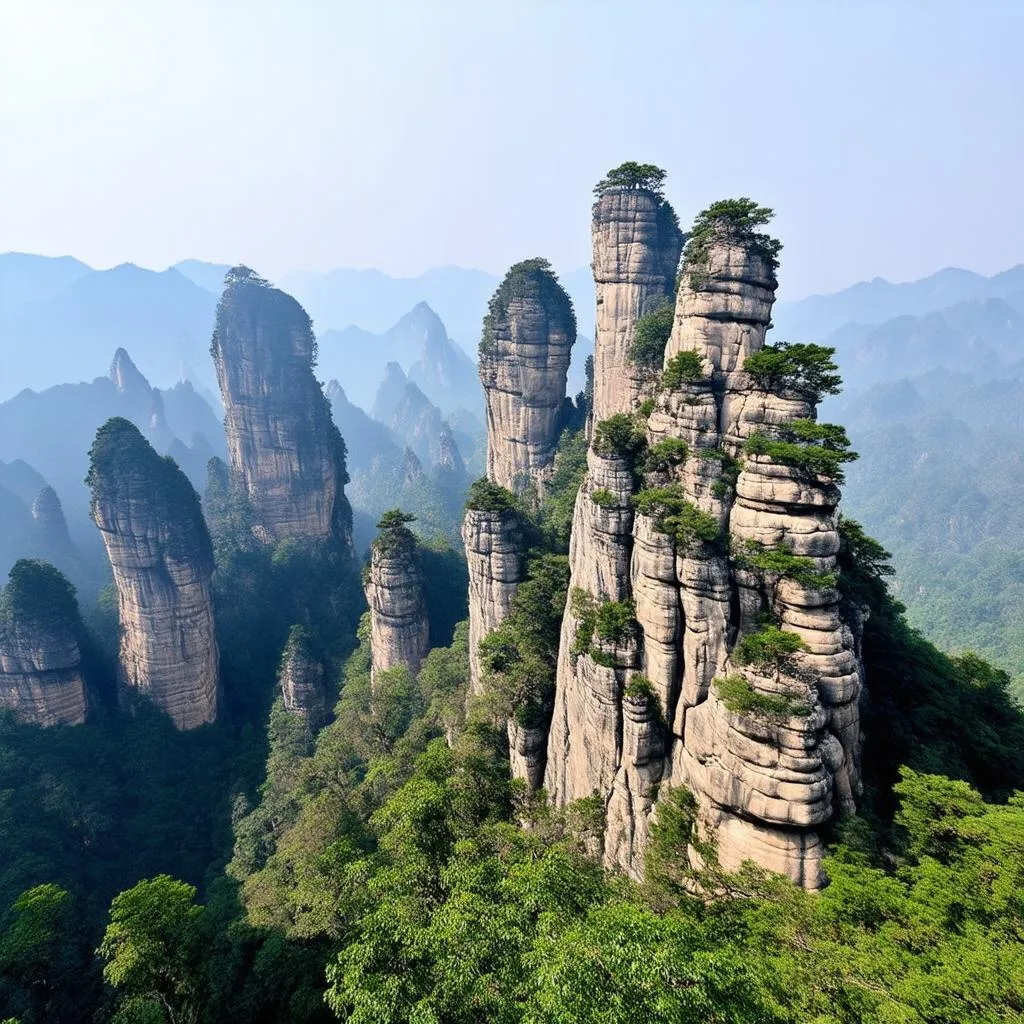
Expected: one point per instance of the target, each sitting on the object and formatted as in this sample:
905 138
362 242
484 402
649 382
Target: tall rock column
41 678
399 629
734 527
284 451
528 335
637 243
495 560
302 679
162 561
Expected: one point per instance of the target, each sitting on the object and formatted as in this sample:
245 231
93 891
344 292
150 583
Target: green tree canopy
632 175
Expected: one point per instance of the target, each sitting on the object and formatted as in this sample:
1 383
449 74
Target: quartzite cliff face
665 701
162 562
637 242
41 677
284 451
527 342
399 629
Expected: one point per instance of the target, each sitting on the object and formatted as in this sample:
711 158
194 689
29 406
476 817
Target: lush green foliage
604 498
560 494
485 496
778 562
683 368
394 531
632 175
736 693
607 622
807 369
521 655
666 453
529 279
620 436
733 220
675 515
650 336
770 649
815 449
37 591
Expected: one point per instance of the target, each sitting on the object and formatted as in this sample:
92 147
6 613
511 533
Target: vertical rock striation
162 561
41 679
399 630
732 528
637 242
527 341
284 451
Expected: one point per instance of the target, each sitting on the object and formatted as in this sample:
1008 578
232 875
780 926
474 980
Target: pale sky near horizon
406 134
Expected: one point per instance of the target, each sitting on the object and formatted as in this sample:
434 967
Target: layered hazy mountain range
934 373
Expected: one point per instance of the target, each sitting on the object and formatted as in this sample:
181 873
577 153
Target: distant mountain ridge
874 302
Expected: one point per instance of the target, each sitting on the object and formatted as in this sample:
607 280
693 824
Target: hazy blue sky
404 134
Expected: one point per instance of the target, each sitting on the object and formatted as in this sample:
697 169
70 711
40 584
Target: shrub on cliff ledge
732 220
486 496
675 515
620 436
736 693
814 449
807 369
683 368
769 649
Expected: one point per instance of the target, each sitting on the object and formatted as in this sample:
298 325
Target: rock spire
704 643
399 630
302 679
284 451
41 677
637 242
527 341
162 561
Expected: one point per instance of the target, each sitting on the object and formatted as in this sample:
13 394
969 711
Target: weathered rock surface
283 449
494 556
637 243
527 342
302 679
41 678
162 561
399 629
765 781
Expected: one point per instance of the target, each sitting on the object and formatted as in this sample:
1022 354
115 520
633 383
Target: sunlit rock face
399 628
669 705
284 451
637 243
527 342
162 561
41 677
